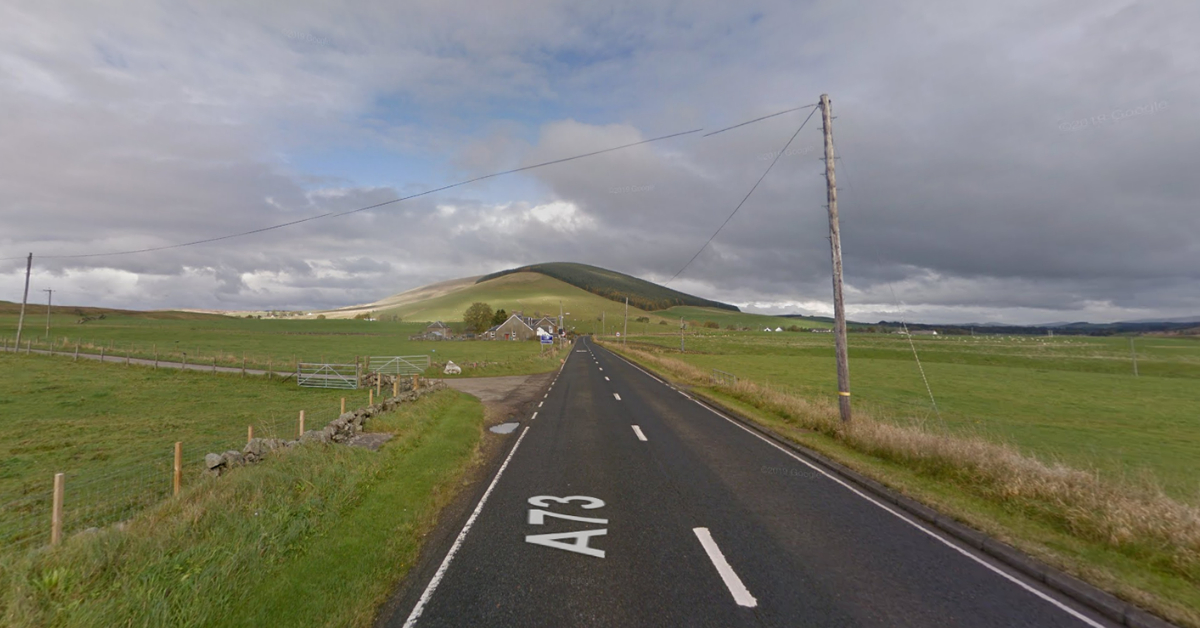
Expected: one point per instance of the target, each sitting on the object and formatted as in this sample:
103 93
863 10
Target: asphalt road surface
623 502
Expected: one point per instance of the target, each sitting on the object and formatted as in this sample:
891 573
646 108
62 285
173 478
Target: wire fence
94 498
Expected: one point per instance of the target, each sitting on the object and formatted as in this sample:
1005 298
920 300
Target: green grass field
724 318
1073 399
261 545
111 429
265 342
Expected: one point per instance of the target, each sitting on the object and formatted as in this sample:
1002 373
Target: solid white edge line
441 572
1067 609
741 594
617 396
637 430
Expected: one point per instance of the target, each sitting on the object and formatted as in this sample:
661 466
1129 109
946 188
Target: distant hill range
614 286
1181 326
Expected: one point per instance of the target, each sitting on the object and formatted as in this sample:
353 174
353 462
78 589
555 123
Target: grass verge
315 536
1130 539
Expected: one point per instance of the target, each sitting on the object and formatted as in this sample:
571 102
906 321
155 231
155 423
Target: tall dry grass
1139 520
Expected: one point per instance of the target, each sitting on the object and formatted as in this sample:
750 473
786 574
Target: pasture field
1068 398
264 544
275 342
111 429
755 322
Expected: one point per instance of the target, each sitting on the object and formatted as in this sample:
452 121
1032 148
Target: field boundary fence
398 364
45 510
315 375
723 378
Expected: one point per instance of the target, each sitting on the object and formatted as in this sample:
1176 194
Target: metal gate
398 364
721 378
327 375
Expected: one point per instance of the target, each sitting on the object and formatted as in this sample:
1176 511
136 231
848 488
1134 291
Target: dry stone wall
340 430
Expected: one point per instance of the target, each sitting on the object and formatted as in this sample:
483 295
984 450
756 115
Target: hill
644 295
531 293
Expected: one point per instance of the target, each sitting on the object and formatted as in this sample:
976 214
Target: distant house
438 328
547 323
778 329
435 331
924 332
516 327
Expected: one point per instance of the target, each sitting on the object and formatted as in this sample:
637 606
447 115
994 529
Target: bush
712 324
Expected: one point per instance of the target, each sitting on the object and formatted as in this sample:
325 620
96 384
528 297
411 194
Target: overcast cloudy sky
1026 161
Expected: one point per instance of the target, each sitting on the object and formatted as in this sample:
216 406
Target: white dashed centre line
617 396
607 379
533 417
637 430
741 594
540 403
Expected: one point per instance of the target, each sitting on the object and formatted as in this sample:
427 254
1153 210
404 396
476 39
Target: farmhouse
517 327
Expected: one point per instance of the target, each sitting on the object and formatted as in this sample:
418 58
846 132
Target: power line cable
395 200
745 198
729 128
368 207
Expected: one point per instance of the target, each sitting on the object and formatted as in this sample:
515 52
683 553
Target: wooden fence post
396 387
416 382
156 355
243 364
56 510
214 364
270 372
370 397
178 476
127 357
249 433
76 351
343 406
301 423
101 353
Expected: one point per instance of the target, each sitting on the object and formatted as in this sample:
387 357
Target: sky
1025 162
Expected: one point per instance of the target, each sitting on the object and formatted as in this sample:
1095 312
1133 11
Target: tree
478 316
499 317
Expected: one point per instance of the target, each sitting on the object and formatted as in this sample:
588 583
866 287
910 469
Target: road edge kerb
1085 594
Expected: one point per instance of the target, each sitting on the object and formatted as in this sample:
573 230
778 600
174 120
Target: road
624 502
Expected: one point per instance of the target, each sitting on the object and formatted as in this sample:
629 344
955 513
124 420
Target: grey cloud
961 191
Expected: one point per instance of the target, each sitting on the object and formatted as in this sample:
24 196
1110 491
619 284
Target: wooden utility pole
835 247
625 335
49 298
603 323
24 299
681 334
